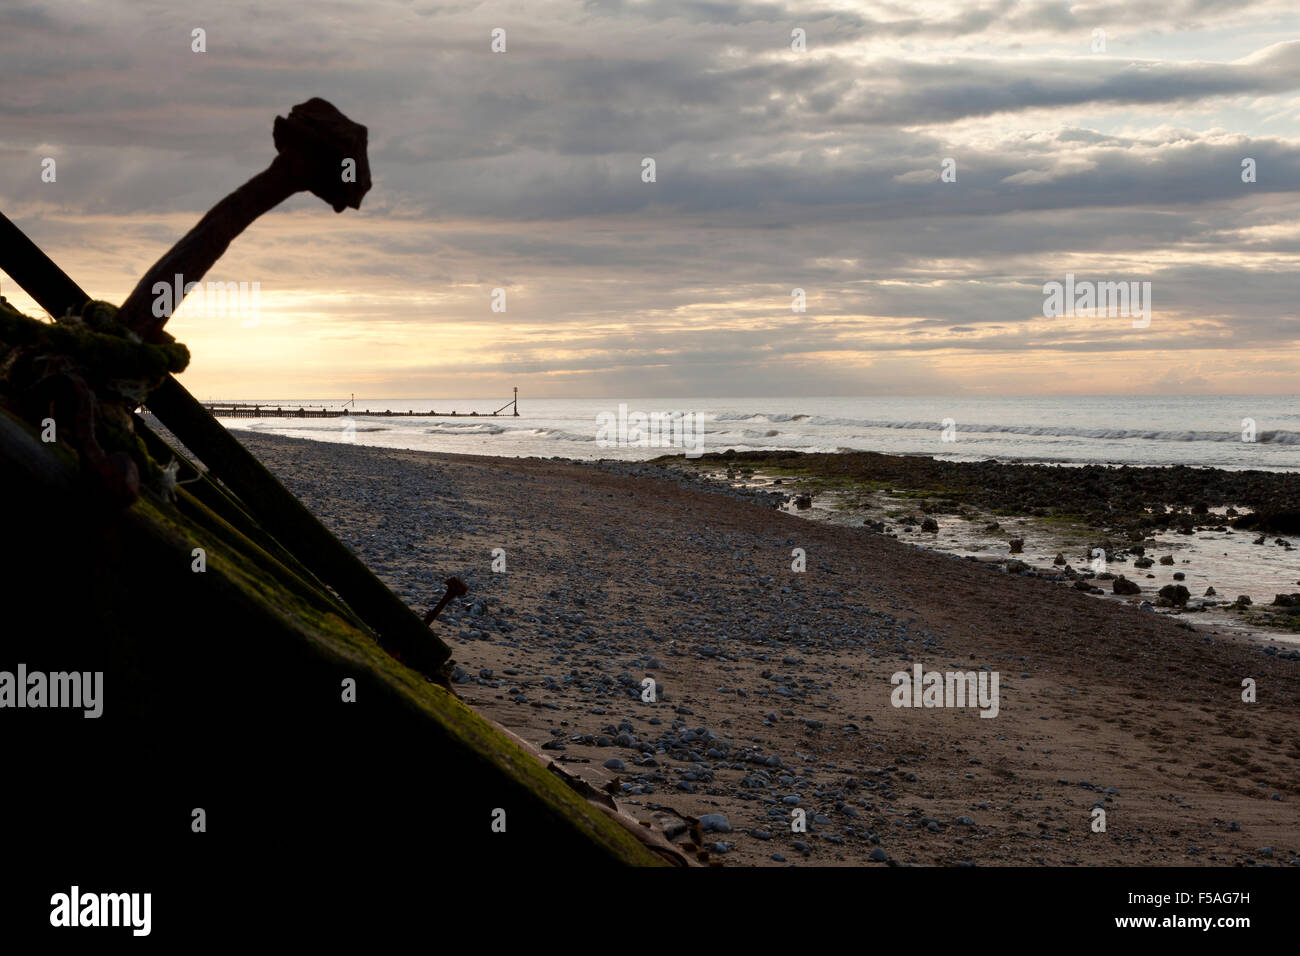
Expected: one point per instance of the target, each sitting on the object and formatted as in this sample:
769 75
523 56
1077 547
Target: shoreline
1229 433
1235 589
775 685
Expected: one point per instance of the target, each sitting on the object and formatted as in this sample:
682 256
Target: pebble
715 823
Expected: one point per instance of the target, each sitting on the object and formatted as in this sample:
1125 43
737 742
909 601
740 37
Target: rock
1017 545
1166 559
1278 522
878 856
1284 600
803 502
1244 600
1143 563
1123 585
929 524
1175 594
1210 592
715 823
613 763
1015 567
1059 559
1179 576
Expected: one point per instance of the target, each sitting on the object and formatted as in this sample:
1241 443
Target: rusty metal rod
455 588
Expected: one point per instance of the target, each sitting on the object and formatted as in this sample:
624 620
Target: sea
1223 431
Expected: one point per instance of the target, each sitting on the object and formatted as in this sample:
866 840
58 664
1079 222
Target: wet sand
775 689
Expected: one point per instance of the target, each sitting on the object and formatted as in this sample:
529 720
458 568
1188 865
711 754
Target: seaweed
89 371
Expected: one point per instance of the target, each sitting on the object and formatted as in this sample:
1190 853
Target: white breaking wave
556 434
774 417
465 428
1067 431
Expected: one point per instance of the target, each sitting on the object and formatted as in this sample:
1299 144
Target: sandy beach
774 686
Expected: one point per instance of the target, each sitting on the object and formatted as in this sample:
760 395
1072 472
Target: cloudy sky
775 169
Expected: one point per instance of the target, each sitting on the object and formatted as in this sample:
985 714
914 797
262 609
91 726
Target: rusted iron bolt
455 588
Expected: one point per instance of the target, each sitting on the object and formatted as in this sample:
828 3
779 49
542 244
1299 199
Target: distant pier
240 410
274 410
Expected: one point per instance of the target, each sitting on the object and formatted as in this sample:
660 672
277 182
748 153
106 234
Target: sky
1104 140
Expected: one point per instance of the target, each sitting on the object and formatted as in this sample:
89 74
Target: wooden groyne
274 410
285 411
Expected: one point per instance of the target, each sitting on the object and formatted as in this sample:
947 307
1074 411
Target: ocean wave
557 434
464 428
299 429
775 418
1276 437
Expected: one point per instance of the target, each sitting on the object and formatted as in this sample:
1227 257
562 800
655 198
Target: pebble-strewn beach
774 686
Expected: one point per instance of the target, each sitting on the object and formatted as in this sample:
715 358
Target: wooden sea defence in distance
280 410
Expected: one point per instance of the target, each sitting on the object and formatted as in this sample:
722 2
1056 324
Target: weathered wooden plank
284 516
35 271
